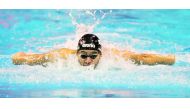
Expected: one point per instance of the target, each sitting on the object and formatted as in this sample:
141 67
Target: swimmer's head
89 42
89 50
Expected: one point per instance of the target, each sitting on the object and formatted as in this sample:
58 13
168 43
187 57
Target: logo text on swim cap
88 45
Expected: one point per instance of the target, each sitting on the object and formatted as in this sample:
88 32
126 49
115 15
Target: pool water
142 31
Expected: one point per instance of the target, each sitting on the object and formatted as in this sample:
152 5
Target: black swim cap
89 42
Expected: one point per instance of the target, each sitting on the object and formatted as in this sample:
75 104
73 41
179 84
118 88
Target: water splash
93 18
87 27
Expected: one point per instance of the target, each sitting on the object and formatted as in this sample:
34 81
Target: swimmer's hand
19 58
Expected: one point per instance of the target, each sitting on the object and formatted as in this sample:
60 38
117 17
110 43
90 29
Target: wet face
88 57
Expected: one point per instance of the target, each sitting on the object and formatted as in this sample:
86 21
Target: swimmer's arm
149 59
39 59
30 59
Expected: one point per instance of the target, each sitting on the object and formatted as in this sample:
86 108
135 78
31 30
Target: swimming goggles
84 56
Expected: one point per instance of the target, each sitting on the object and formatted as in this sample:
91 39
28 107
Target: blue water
143 31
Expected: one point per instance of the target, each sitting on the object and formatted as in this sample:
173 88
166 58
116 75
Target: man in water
89 52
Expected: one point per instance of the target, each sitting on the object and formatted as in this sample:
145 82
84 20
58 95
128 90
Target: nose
88 60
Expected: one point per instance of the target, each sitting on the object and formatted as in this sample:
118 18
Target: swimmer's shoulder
68 51
117 51
62 52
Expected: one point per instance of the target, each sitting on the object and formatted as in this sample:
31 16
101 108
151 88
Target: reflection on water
95 93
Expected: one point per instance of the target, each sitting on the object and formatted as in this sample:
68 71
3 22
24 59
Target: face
88 57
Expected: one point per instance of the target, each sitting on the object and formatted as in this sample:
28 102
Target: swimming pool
39 31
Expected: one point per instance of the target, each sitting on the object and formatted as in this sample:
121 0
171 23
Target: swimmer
89 52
